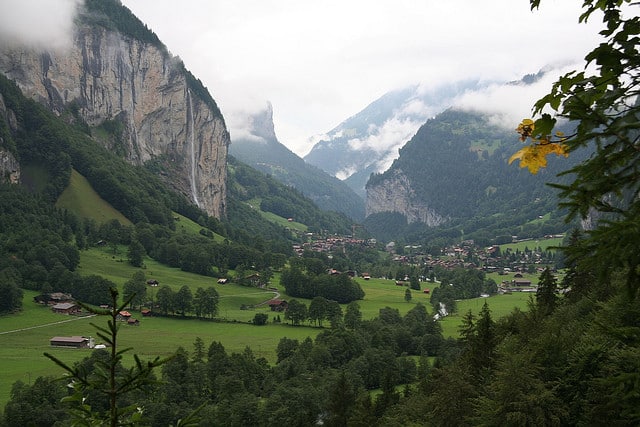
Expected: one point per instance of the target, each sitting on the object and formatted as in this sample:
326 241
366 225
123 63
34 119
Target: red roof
125 314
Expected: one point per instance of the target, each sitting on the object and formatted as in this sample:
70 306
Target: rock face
394 194
108 76
9 165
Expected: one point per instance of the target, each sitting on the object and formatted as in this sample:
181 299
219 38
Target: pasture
24 336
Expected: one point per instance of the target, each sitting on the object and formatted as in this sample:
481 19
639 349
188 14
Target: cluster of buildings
330 243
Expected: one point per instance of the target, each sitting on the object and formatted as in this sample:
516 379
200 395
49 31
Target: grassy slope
80 198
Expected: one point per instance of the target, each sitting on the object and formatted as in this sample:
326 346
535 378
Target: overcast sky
320 62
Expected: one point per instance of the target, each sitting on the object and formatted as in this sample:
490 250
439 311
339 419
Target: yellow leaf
534 156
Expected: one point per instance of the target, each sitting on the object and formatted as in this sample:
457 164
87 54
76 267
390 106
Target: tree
407 295
296 312
260 319
165 299
414 283
601 103
318 310
352 315
136 253
334 313
37 404
135 289
341 401
546 294
183 300
9 289
211 301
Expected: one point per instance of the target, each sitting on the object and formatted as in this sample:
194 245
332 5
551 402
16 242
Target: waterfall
191 120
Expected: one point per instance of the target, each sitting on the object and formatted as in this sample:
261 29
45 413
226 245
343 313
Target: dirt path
46 324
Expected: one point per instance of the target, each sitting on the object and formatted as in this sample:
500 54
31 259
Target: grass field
81 198
532 244
24 337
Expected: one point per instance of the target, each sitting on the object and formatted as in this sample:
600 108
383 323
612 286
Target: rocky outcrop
108 76
9 165
394 194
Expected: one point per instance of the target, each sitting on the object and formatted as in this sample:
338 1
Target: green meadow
24 337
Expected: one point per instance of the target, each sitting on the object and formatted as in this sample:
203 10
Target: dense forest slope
455 171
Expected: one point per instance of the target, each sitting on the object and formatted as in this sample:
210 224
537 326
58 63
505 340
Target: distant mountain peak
261 123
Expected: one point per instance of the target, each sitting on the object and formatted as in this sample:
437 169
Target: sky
320 62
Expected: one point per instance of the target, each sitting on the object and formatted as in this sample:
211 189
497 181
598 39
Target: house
522 282
146 312
426 290
366 276
278 305
222 281
153 283
123 316
74 342
254 279
53 298
133 322
65 308
399 283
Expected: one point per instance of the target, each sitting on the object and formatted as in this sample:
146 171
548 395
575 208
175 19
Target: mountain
260 148
455 172
134 97
369 141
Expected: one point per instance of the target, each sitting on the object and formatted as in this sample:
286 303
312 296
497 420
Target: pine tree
546 297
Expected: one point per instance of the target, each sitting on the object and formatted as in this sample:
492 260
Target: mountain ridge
259 147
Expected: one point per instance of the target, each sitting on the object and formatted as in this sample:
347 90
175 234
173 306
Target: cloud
507 105
40 23
322 62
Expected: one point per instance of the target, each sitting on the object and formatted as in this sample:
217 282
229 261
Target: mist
41 24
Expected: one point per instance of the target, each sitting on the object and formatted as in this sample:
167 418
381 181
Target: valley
429 262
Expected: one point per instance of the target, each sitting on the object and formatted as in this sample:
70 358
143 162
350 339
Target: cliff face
9 165
108 76
394 194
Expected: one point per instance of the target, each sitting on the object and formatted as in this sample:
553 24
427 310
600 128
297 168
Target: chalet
53 298
123 316
222 281
254 279
153 283
146 312
521 282
333 272
133 322
399 283
366 276
73 342
278 305
426 290
65 308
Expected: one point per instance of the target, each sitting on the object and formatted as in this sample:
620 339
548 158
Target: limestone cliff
167 115
9 165
394 194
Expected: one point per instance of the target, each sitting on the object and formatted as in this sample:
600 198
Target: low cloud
507 104
39 23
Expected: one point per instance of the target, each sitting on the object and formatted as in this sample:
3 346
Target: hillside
118 81
369 141
454 174
262 150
